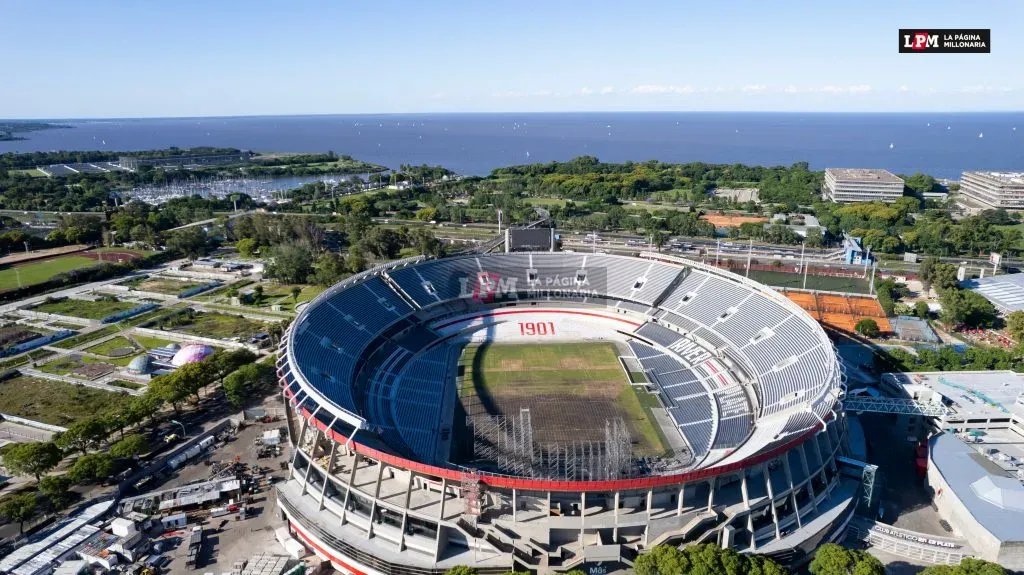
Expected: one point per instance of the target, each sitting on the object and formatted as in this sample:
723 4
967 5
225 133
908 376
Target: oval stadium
554 411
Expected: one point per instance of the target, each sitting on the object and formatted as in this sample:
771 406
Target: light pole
176 422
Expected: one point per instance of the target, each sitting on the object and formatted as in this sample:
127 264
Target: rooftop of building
994 499
1006 177
969 394
1006 291
864 175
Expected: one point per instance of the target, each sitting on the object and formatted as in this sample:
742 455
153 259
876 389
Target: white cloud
984 88
661 89
791 89
585 91
904 88
607 90
860 89
754 88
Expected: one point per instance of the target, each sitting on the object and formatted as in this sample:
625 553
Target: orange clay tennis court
841 312
723 221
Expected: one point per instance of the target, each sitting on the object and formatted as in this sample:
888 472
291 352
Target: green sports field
571 390
37 272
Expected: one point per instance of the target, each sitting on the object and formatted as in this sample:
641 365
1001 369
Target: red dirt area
111 256
723 221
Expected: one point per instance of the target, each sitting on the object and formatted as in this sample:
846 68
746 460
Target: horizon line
534 112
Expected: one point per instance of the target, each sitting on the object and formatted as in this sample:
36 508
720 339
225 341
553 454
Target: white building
992 190
861 185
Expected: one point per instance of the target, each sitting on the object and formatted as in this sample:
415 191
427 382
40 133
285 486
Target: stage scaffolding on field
506 442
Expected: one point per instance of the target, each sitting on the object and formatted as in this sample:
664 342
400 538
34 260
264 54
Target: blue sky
198 58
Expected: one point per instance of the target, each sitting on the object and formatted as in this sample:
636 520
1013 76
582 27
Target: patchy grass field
162 285
571 389
113 347
40 271
55 402
221 326
149 342
84 308
282 295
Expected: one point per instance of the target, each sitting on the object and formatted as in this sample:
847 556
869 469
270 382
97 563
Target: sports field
825 283
571 390
36 272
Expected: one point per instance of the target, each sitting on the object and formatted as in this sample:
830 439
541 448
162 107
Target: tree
169 389
258 293
832 559
248 382
246 247
383 243
921 310
191 242
926 272
296 291
92 467
460 570
706 559
290 263
330 269
19 508
33 459
356 260
966 307
83 435
967 566
131 446
56 488
1015 325
867 327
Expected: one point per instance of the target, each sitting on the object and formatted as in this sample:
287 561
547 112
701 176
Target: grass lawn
31 172
221 326
571 390
542 201
55 402
281 295
125 384
163 285
40 271
565 368
790 280
83 308
149 342
112 344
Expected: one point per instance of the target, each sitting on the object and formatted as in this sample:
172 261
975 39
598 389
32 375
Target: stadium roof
990 499
1006 292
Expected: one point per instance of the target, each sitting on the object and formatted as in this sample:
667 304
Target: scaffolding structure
506 442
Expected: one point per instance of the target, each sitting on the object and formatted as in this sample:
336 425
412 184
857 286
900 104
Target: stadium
553 411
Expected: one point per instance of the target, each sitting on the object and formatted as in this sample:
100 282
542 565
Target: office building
992 190
861 185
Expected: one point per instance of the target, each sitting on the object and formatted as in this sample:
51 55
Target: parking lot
227 538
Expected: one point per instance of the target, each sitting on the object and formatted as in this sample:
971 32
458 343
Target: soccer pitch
571 390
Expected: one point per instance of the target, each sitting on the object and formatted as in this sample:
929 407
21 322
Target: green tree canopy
248 382
57 488
83 435
131 446
290 263
967 566
330 269
246 247
19 508
1015 325
706 559
33 459
868 327
832 559
92 467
